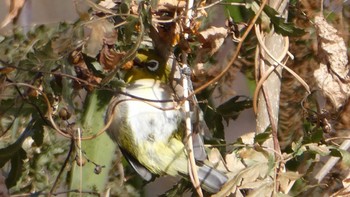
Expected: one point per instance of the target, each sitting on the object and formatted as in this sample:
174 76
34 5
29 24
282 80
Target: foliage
57 80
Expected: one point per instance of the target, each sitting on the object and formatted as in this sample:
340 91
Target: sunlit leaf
323 150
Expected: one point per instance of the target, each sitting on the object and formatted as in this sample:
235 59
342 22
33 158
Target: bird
149 128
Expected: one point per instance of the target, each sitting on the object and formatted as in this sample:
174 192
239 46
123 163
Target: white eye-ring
152 65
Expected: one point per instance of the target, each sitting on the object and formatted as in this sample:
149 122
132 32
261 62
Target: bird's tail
211 179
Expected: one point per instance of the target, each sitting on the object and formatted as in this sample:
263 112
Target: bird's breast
151 113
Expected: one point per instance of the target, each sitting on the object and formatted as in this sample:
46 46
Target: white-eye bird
149 129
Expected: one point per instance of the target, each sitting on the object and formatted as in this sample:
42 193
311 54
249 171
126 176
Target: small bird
148 127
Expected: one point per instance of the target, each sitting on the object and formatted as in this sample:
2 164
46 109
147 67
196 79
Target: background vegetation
56 81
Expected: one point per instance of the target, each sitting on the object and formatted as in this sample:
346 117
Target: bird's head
148 65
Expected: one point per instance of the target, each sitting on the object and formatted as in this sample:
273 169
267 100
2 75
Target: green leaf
10 151
235 12
38 132
282 27
344 154
232 108
298 148
67 84
93 65
262 137
345 157
317 136
17 161
214 122
335 152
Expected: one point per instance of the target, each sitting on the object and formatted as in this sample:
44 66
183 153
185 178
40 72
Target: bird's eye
152 65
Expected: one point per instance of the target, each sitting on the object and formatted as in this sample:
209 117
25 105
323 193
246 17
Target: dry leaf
248 138
265 190
15 7
332 75
214 156
109 4
170 5
252 174
286 178
64 43
251 156
82 72
109 57
101 32
256 184
323 150
346 190
234 164
212 39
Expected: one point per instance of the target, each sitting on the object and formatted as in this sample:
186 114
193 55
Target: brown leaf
251 174
82 71
170 5
212 38
332 75
263 188
109 57
256 184
63 43
332 48
251 156
101 32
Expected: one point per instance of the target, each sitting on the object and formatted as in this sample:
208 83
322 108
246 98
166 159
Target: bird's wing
138 167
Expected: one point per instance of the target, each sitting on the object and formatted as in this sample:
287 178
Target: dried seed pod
64 114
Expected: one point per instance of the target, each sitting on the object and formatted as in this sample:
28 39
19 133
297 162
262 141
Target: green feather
142 72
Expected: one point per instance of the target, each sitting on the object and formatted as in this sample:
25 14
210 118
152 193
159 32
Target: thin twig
234 56
49 107
62 168
272 68
192 168
55 194
80 161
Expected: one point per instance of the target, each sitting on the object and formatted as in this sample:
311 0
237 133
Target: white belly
148 120
146 129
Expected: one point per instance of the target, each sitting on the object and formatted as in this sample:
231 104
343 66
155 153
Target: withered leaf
109 57
101 32
332 75
212 38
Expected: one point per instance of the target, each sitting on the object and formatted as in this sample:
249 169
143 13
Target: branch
192 168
